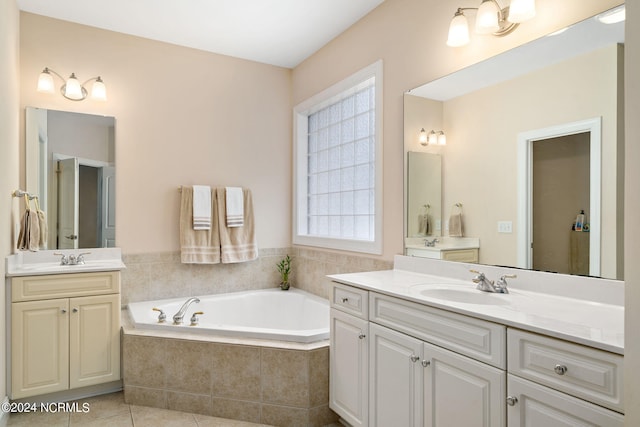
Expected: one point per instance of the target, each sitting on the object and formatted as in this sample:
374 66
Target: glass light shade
423 137
442 139
73 89
99 90
458 31
433 138
45 82
521 10
487 18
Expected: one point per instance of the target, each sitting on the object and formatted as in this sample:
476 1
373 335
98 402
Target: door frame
525 187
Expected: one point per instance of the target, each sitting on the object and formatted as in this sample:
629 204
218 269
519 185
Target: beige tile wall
161 275
258 384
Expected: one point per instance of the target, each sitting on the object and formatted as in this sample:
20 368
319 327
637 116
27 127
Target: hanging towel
42 225
235 206
198 246
201 207
455 221
29 236
237 244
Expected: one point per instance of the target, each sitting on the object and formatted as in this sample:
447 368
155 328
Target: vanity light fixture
432 138
491 18
72 89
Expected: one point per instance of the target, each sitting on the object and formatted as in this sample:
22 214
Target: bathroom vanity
420 346
64 331
461 249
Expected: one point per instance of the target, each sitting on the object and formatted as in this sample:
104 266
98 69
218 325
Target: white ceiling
277 32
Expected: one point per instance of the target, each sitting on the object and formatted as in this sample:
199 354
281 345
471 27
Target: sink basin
466 296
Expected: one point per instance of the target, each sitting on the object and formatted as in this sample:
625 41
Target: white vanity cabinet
556 383
460 255
349 355
65 332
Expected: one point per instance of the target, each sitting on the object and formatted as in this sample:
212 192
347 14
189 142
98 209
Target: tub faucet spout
177 318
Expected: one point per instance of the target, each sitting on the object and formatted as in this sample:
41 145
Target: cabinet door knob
344 300
426 363
560 369
75 310
64 310
362 336
512 400
414 358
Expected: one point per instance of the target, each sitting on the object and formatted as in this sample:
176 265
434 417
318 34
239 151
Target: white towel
201 207
235 206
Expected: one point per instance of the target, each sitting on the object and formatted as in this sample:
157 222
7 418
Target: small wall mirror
507 115
70 165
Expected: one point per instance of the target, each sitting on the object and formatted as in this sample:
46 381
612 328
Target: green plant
284 268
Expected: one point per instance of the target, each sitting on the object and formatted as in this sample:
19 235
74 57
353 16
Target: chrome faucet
430 243
177 318
72 259
501 286
484 284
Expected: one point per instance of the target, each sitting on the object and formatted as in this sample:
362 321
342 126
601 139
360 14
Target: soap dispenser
580 220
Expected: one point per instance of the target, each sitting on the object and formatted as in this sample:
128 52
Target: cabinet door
459 391
534 405
94 342
39 347
395 389
349 374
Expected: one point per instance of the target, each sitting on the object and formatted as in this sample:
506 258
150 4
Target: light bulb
45 82
487 18
99 90
458 30
73 89
521 10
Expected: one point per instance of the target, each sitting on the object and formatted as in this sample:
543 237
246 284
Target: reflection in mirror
489 110
424 189
70 164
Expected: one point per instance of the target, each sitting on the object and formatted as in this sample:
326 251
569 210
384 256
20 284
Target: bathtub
272 314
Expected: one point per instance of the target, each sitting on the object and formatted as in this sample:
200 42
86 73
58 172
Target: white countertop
45 262
582 319
445 243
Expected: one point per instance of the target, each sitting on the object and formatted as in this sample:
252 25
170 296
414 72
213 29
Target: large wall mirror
70 166
534 137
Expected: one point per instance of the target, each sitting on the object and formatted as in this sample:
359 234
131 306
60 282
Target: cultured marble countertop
45 262
583 321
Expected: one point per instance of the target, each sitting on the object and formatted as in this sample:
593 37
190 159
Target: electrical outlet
438 225
505 227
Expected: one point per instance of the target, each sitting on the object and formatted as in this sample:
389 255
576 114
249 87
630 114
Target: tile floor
111 410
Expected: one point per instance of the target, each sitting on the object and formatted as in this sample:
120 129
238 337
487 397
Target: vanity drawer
350 300
461 255
476 338
29 288
585 372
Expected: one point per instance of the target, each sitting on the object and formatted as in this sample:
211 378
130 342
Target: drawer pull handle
362 336
512 400
345 300
426 363
560 369
414 358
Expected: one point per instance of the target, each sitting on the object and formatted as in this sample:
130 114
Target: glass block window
338 166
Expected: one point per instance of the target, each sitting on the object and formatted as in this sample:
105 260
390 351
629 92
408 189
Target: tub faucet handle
194 317
162 317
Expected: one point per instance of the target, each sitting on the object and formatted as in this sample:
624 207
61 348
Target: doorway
559 174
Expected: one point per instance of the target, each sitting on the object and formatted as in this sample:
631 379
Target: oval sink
470 296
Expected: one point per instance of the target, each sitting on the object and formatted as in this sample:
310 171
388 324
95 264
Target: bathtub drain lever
194 318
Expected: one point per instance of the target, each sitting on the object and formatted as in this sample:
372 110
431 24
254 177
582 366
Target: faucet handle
194 317
80 257
480 276
64 260
162 317
508 276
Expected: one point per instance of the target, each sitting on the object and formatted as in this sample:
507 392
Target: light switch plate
505 227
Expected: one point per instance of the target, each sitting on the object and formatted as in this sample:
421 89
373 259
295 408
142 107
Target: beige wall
183 117
632 207
9 78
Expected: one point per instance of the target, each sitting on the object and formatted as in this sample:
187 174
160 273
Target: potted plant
284 268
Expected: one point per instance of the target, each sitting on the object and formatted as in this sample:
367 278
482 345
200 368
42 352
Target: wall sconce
432 138
72 89
491 18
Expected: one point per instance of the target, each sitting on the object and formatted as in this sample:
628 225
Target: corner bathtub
272 314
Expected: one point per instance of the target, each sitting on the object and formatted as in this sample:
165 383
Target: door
39 347
395 388
94 341
349 362
108 207
459 391
68 203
